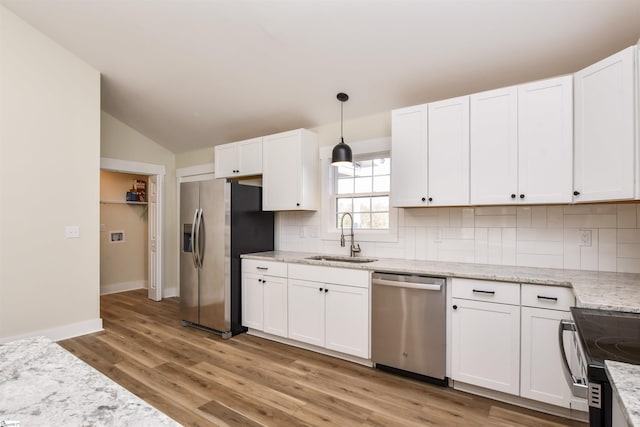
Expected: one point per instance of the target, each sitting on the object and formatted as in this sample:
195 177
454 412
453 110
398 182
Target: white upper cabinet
605 120
521 144
494 147
290 171
242 158
448 152
409 156
545 141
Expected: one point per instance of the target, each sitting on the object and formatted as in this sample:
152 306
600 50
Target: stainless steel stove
605 335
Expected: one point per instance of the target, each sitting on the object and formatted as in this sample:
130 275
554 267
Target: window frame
369 195
368 148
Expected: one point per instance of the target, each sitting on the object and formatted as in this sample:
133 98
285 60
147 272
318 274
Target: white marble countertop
43 384
625 382
600 290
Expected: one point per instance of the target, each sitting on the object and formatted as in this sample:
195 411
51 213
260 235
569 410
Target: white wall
122 142
535 236
49 179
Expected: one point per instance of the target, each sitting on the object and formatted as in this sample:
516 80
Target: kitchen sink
355 260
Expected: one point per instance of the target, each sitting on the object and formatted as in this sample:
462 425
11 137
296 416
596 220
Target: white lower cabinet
306 311
264 297
331 316
347 320
542 376
486 344
332 313
504 337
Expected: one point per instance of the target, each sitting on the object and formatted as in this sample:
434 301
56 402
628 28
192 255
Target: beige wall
49 163
122 142
358 129
193 158
123 264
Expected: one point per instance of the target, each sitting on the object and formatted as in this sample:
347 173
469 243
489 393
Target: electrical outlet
585 237
302 232
438 236
103 228
72 232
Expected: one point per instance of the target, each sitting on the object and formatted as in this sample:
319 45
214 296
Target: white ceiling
195 73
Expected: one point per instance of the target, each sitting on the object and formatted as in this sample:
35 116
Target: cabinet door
409 156
225 160
282 171
604 129
542 373
250 157
347 320
275 305
545 141
494 149
252 301
485 345
306 311
448 148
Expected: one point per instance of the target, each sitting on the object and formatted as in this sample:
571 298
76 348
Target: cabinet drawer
486 290
269 268
552 297
339 276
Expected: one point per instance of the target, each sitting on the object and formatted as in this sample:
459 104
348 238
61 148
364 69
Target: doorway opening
131 227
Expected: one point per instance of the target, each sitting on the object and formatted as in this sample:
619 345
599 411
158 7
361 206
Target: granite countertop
625 381
600 290
43 384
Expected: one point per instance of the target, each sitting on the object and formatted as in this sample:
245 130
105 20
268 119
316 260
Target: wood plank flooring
201 380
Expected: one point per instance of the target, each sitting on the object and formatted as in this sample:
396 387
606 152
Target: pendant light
341 154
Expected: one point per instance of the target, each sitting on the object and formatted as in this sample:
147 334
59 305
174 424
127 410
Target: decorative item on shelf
341 154
138 191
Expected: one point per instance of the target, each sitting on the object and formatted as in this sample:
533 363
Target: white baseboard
523 402
114 288
170 292
310 347
61 332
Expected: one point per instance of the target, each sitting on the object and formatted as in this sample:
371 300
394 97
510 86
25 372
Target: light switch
72 232
103 228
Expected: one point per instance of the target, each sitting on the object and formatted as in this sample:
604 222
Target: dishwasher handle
399 284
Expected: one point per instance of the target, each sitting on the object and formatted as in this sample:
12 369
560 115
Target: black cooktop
608 335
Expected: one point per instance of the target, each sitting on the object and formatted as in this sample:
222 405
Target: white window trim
327 203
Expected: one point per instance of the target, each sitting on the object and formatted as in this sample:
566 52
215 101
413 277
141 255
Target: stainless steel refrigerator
219 221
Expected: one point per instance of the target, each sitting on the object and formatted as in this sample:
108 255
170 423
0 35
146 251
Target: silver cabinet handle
262 268
578 385
193 239
426 287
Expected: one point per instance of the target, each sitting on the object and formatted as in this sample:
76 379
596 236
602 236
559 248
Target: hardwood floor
201 380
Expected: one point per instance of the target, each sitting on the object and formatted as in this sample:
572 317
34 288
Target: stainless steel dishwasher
408 325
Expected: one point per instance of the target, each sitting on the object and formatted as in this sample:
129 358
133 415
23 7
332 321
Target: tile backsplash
603 237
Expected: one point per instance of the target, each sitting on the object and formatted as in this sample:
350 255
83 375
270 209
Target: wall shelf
121 202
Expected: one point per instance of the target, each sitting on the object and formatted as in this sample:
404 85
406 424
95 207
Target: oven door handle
578 385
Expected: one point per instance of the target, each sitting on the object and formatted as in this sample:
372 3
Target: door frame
155 222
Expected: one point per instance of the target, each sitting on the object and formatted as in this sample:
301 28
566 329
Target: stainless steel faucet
355 248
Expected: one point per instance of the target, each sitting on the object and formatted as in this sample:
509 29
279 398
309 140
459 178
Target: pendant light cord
341 122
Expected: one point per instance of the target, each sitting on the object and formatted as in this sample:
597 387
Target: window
362 190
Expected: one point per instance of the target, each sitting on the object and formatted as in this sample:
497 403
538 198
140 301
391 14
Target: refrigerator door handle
194 239
200 249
